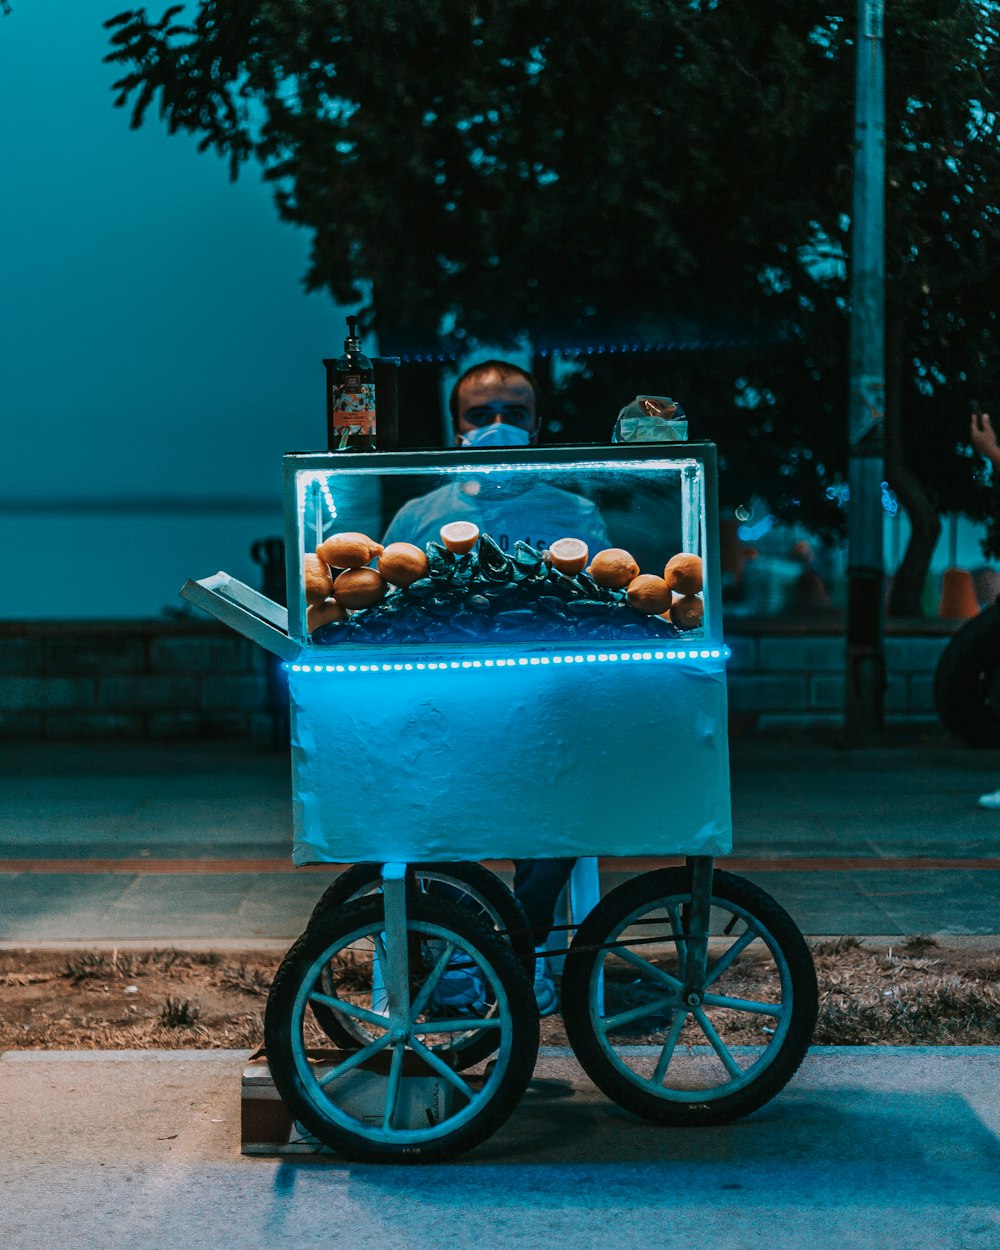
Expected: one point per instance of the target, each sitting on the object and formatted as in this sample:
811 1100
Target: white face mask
498 434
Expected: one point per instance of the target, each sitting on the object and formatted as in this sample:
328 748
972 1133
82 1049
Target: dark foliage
612 172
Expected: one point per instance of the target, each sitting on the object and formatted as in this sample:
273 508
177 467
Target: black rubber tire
967 681
284 1042
487 898
640 1095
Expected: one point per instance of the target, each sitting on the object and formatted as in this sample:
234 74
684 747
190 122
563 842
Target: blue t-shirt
538 515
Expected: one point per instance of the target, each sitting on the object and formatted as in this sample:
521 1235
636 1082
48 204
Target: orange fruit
687 612
684 573
568 555
317 578
349 550
318 614
460 536
403 563
650 594
614 568
360 588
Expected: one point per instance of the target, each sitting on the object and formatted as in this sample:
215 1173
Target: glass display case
536 549
502 653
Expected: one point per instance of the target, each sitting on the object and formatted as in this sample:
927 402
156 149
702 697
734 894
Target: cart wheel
466 882
673 1052
399 1097
477 889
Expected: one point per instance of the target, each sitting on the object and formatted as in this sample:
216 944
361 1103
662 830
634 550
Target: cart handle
244 609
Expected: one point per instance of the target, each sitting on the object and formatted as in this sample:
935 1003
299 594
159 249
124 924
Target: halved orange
460 536
568 555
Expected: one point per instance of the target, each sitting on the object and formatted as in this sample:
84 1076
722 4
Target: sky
157 342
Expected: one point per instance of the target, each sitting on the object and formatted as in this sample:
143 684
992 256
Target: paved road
192 841
867 1147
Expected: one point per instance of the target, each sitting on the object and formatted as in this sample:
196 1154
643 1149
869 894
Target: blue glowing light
597 657
750 533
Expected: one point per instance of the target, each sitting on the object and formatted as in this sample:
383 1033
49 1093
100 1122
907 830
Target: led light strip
322 481
592 657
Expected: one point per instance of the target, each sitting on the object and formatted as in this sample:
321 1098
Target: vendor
495 404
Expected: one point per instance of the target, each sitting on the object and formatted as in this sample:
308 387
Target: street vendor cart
494 696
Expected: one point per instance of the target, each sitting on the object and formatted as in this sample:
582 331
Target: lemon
687 612
402 563
684 573
360 588
317 578
650 594
613 568
318 614
349 550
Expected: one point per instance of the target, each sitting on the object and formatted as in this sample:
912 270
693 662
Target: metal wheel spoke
725 961
355 1060
681 947
636 1013
430 985
442 1069
352 1010
392 1089
637 961
745 1004
669 1046
717 1044
457 1026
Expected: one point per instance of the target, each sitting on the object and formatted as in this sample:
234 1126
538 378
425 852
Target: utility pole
865 648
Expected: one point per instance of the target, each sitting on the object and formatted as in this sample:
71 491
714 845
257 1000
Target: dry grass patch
919 992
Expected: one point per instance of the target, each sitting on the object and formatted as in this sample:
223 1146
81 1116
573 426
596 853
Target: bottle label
354 406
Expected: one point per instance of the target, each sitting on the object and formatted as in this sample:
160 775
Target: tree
639 170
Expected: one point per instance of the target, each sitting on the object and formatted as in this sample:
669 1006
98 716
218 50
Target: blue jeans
537 886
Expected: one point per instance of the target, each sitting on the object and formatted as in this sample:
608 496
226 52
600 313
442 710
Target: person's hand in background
983 437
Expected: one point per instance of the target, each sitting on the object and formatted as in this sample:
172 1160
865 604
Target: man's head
494 392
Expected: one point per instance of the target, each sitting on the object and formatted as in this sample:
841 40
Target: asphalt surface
867 1147
140 844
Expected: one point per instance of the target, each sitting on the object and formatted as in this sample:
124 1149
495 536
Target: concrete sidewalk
895 1148
192 841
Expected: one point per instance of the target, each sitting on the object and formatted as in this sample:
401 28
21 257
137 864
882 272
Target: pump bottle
350 408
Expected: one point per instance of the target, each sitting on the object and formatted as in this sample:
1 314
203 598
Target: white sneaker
991 800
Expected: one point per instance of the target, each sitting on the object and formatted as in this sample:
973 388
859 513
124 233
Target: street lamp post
865 612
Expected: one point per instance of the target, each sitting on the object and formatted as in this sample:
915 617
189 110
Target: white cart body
464 748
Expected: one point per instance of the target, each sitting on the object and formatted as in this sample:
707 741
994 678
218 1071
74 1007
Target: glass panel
566 553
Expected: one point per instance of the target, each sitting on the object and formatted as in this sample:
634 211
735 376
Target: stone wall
782 674
187 678
134 679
